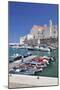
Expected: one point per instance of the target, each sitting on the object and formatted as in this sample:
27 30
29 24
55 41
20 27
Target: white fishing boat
39 70
18 70
15 55
46 49
52 48
42 48
29 72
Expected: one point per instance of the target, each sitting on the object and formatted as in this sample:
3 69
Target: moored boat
32 65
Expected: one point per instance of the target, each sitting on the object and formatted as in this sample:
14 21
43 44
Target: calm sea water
51 70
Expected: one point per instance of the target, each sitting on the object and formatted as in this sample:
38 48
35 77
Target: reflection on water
13 51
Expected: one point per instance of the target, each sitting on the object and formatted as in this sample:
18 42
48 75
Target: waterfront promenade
19 81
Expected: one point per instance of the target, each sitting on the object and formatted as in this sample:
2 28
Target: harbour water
50 71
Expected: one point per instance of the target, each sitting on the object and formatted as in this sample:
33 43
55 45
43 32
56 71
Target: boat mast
38 38
50 27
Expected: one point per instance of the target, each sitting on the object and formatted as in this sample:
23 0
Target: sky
22 16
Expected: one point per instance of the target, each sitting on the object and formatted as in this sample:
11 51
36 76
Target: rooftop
38 27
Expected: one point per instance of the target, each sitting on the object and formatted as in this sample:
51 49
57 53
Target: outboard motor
49 60
52 59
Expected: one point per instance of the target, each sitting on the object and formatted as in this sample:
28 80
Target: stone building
45 34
